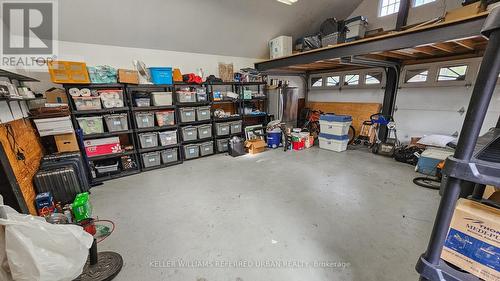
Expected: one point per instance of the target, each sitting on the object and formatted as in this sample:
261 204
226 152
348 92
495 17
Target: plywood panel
359 111
24 171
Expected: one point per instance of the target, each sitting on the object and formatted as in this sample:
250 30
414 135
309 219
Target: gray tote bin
151 159
145 119
116 122
168 138
205 131
169 156
203 113
189 133
207 148
148 140
191 151
222 129
188 114
222 145
236 127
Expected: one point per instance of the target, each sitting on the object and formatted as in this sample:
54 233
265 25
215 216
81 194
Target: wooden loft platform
449 40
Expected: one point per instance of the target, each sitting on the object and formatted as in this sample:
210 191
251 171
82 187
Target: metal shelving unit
91 160
476 160
131 89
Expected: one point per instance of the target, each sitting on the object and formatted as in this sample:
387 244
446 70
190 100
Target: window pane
317 81
388 7
373 78
417 75
332 81
452 73
351 79
422 2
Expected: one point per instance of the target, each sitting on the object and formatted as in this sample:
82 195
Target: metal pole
93 253
478 192
391 88
480 100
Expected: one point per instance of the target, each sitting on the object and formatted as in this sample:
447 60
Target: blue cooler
430 158
274 138
161 75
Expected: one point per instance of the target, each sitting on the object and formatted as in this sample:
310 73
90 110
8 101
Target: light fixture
288 2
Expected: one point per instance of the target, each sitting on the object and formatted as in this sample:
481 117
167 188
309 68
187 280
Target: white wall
369 9
121 57
420 111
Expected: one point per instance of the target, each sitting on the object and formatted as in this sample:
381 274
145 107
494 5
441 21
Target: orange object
255 146
128 76
68 72
177 75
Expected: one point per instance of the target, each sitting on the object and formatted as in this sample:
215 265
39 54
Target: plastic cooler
151 159
187 114
191 151
165 118
207 148
168 138
205 131
169 155
189 133
333 142
203 113
145 119
148 140
91 125
274 138
116 122
161 75
335 124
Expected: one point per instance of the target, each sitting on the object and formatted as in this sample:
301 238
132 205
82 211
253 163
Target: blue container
161 75
335 118
274 139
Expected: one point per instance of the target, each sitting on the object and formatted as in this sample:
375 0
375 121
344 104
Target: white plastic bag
40 251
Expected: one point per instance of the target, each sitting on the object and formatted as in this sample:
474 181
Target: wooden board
359 111
24 171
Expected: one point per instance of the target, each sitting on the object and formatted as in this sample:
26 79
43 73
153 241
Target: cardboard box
102 146
56 95
66 143
255 146
128 76
464 12
473 242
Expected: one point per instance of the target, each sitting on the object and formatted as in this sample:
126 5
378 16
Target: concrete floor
309 215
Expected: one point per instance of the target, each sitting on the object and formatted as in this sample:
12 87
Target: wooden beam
403 53
425 50
466 44
395 55
443 47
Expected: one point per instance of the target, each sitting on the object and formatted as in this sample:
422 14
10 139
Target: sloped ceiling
222 27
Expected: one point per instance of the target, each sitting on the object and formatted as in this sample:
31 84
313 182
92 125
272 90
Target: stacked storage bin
334 132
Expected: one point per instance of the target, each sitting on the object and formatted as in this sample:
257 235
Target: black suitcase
73 159
63 183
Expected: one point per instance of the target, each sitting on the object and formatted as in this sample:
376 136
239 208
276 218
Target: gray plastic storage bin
201 94
187 114
203 113
148 140
145 119
207 148
116 122
205 131
222 145
151 159
91 125
143 102
236 127
191 151
169 156
189 133
186 96
222 129
165 118
168 138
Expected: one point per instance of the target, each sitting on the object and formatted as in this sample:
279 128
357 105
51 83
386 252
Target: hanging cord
11 138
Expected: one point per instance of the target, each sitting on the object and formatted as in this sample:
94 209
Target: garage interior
268 139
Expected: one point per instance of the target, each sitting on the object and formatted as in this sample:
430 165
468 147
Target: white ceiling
223 27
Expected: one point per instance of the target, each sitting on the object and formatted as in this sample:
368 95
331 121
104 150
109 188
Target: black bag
63 160
406 154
